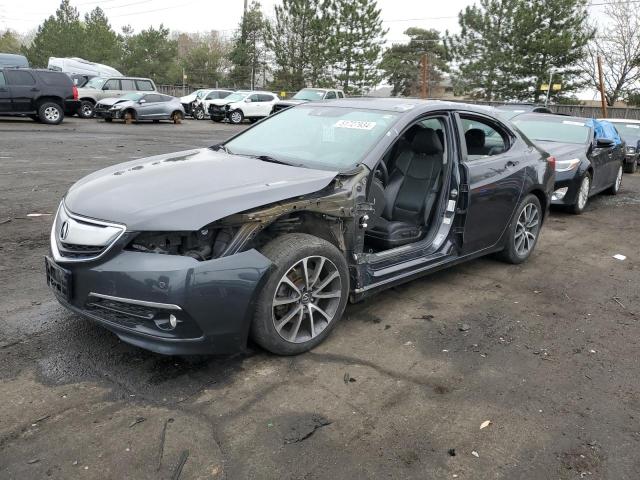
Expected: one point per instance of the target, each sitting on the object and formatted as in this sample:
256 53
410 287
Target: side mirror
247 100
141 101
604 143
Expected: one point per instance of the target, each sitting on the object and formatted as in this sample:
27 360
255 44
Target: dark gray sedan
271 233
134 107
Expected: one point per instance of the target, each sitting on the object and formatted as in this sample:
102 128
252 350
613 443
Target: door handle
512 163
34 89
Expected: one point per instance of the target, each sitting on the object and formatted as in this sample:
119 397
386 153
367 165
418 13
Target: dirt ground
548 353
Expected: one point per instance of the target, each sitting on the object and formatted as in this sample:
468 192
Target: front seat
475 140
410 193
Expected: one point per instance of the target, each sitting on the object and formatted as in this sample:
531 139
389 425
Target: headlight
631 149
566 165
115 107
559 194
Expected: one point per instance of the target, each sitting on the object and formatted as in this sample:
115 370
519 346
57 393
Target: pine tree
299 40
358 41
401 62
9 42
101 44
248 53
58 36
151 53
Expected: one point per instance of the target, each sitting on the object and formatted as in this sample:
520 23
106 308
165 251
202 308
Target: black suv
43 95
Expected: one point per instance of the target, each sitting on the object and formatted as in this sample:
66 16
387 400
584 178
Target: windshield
202 93
96 83
131 96
236 97
310 95
508 114
328 138
565 131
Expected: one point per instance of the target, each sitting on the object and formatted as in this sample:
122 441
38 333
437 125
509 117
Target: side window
144 86
211 96
223 94
483 138
266 98
152 98
18 77
112 84
2 80
128 84
255 97
330 95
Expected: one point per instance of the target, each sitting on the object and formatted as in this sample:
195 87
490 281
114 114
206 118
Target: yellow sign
283 94
555 87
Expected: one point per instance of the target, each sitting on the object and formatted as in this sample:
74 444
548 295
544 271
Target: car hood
110 102
292 102
221 101
184 191
563 151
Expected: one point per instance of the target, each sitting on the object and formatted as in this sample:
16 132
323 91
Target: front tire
304 296
615 188
631 167
236 117
583 195
176 117
523 232
50 113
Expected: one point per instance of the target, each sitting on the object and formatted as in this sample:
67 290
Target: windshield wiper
268 158
218 147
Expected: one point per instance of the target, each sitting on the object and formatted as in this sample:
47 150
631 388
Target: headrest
474 137
426 141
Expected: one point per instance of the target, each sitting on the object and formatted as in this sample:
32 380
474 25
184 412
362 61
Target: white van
79 66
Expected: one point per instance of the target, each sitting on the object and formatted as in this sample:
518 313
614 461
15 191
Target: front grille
75 238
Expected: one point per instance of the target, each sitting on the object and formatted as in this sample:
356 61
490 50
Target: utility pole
423 77
603 101
546 102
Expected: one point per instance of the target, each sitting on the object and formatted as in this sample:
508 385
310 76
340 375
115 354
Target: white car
203 102
243 104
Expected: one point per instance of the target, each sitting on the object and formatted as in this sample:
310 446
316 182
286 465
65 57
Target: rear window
145 85
127 84
55 78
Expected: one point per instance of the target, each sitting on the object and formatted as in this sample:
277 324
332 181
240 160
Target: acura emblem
64 230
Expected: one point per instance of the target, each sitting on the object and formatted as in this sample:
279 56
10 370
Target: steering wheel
382 173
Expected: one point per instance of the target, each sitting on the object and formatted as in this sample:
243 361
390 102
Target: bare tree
617 41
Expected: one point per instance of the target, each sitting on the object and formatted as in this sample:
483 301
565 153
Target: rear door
5 96
493 171
151 107
110 89
127 85
23 90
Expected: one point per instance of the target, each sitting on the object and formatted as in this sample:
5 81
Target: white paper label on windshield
632 126
355 124
569 122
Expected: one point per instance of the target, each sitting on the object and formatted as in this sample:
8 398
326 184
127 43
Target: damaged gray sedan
271 233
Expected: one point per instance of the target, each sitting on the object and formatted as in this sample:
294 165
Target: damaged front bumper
168 304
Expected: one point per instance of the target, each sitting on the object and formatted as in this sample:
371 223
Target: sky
222 15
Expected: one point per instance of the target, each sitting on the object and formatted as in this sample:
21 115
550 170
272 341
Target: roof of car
404 104
551 117
619 120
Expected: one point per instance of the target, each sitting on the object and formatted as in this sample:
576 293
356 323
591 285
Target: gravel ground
548 354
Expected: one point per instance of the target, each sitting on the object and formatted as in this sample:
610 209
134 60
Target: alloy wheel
618 179
527 229
306 299
583 193
52 114
236 117
87 109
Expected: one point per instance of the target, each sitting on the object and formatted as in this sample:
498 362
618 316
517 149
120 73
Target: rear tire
108 120
50 113
296 311
523 232
615 188
87 109
129 117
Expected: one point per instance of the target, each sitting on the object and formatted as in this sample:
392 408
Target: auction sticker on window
355 124
569 122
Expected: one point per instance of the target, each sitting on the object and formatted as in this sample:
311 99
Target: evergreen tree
151 53
101 43
248 53
401 62
299 40
203 57
358 41
507 48
60 35
9 42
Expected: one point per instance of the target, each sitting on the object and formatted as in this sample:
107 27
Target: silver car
137 106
